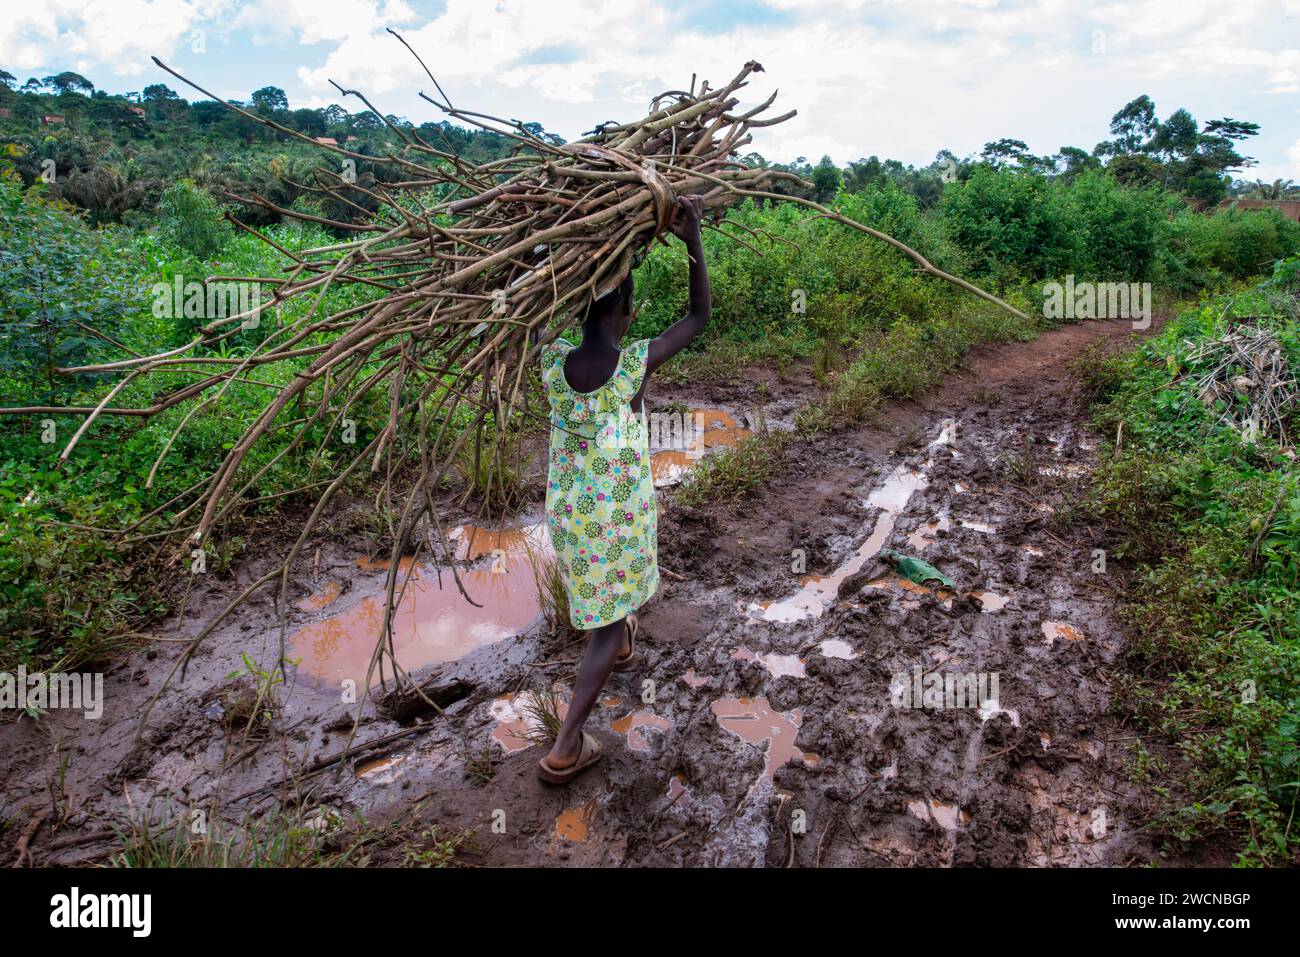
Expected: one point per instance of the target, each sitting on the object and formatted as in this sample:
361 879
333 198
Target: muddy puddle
777 665
516 724
574 824
434 621
837 648
1052 630
947 816
638 727
754 721
384 770
678 442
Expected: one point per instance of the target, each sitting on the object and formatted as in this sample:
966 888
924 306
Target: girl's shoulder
631 367
552 361
638 350
556 350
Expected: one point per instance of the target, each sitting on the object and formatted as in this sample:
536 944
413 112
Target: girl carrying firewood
600 496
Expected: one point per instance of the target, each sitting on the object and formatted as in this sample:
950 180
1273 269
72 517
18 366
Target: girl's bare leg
603 647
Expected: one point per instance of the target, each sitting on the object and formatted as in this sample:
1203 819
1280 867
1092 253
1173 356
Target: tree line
114 155
1190 159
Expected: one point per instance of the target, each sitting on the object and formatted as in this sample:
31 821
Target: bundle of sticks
473 269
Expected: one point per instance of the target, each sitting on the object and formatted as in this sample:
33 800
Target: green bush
1119 230
816 281
1014 226
191 219
61 282
68 595
1210 251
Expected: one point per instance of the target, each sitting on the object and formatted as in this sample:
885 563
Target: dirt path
779 715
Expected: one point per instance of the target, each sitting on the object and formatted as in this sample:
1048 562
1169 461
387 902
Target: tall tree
157 93
68 82
827 180
1134 125
335 115
1009 152
1072 161
310 122
1177 137
863 173
270 99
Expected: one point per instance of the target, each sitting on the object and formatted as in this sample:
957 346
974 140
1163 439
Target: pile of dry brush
465 263
1244 374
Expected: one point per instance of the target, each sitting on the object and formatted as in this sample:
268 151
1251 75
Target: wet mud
798 701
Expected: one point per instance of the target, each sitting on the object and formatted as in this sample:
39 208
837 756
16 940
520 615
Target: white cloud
317 21
117 35
1293 154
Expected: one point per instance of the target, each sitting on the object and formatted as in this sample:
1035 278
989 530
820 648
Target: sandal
589 755
624 662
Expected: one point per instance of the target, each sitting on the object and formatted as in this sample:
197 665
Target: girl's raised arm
672 340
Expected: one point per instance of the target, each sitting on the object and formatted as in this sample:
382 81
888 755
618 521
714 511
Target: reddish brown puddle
693 680
679 443
633 725
754 721
432 621
323 598
574 825
1059 629
517 723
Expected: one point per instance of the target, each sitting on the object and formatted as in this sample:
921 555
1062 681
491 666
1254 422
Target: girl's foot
627 651
588 754
564 756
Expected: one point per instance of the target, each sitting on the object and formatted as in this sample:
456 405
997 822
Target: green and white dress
600 496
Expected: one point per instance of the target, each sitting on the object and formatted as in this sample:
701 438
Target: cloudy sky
895 78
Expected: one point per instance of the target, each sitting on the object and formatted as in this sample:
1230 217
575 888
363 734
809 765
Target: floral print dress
600 497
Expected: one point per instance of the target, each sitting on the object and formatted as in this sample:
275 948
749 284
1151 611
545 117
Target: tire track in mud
742 740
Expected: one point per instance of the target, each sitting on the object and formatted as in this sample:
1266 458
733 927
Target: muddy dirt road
797 703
